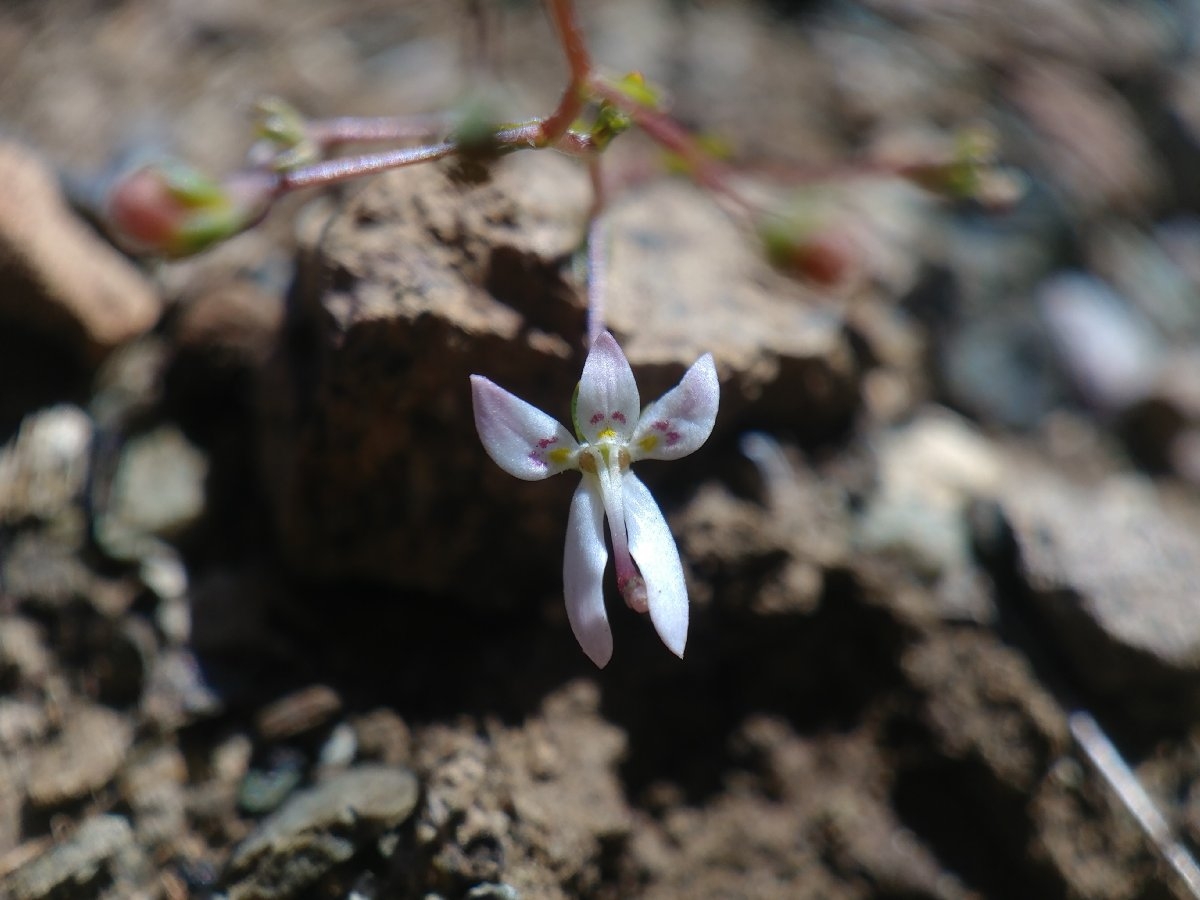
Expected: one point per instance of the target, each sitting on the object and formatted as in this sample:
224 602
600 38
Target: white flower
531 445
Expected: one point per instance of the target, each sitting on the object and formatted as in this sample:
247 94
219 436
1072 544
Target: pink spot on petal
598 417
673 438
546 442
662 425
536 458
619 417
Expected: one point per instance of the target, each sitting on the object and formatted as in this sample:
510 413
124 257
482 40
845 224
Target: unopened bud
172 210
967 171
823 253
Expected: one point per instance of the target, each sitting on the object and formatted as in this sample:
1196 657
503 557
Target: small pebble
298 712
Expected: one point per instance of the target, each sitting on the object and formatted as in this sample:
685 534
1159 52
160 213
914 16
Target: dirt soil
272 625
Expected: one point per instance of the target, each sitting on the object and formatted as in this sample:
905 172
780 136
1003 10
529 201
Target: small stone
37 568
129 385
59 278
493 892
21 723
157 491
339 749
100 860
267 786
84 757
928 473
44 470
299 712
383 736
1140 267
319 828
24 659
1109 350
152 785
176 692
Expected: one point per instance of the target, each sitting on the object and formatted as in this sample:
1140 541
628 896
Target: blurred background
272 625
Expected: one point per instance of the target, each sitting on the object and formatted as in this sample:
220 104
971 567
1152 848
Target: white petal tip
671 623
598 647
601 661
675 647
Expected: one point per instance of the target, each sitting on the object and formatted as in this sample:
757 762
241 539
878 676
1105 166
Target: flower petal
678 422
519 437
608 395
583 574
653 549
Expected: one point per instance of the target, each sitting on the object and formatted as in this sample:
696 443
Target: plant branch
579 64
334 171
327 133
597 254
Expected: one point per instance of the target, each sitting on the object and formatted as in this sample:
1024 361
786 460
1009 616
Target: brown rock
538 806
1112 570
982 703
58 277
423 280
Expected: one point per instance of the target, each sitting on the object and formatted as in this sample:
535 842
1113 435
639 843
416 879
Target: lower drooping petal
583 574
519 437
653 549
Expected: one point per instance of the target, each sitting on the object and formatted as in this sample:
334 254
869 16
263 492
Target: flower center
592 457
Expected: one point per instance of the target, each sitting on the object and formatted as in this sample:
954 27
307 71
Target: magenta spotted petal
608 396
679 421
519 437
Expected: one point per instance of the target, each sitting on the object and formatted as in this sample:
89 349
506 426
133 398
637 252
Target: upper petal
583 574
522 439
653 549
679 421
608 395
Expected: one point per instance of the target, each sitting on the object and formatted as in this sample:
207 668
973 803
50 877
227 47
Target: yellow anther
606 433
559 455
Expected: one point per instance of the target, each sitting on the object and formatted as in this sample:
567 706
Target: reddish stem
570 35
336 170
579 63
350 129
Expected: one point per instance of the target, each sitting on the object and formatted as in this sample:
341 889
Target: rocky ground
273 626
